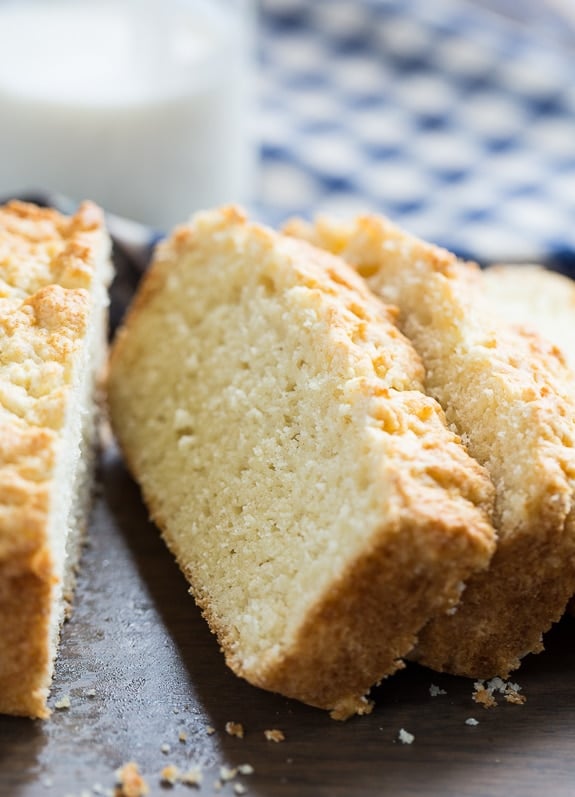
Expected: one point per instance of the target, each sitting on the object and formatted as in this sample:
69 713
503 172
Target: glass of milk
139 105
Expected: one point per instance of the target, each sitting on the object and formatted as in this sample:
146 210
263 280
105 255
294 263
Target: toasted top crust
47 264
477 363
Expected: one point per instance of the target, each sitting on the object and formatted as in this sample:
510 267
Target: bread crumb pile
484 693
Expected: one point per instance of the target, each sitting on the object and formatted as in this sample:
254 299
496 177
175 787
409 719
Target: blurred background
456 118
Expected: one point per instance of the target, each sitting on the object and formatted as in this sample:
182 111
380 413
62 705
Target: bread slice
512 400
53 276
537 298
311 493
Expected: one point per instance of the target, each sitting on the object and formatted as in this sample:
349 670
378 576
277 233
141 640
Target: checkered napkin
457 125
437 113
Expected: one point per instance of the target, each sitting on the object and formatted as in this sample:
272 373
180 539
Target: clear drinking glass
141 105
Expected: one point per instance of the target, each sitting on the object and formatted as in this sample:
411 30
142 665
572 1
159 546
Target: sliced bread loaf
311 493
537 298
512 400
53 299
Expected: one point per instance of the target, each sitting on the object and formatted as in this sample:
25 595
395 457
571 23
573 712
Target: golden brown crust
47 264
436 532
368 620
515 407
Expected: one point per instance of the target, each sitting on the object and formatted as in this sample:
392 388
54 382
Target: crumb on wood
235 729
274 735
435 691
515 697
192 777
210 730
63 703
245 769
227 773
484 692
471 721
239 788
483 696
129 782
170 774
405 737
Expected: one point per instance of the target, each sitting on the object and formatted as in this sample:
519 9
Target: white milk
138 105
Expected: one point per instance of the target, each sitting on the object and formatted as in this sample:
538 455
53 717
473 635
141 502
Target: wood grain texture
138 640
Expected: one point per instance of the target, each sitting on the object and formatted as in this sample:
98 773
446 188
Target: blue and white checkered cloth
437 113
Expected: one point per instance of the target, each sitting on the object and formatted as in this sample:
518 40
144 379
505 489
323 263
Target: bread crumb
245 769
47 783
405 737
348 707
235 729
274 735
515 697
228 773
193 777
90 693
170 774
484 697
183 736
210 730
63 703
471 721
484 692
434 691
165 748
129 782
239 788
217 785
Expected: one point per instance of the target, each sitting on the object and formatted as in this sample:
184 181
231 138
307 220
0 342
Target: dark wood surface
137 639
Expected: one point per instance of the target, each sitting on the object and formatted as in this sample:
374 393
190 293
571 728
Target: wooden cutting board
137 640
